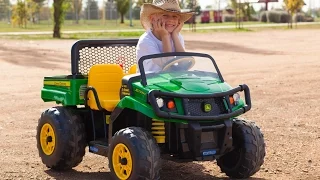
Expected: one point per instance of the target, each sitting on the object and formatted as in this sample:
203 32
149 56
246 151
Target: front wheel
248 155
134 154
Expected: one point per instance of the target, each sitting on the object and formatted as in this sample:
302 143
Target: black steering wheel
179 64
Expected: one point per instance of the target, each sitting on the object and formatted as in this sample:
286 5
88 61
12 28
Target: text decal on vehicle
209 152
125 90
57 83
93 149
139 91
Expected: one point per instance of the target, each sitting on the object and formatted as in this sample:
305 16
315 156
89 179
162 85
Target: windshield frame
143 58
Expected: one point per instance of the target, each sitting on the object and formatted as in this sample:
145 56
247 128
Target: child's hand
159 28
178 28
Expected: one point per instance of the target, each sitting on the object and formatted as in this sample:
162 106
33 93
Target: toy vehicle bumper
229 113
200 142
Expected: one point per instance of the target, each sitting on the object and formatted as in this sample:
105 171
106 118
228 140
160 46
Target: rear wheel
248 155
134 154
61 138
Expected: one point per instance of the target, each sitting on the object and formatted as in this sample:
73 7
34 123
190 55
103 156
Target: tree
20 14
59 9
32 10
74 11
44 13
36 5
293 6
122 7
140 2
92 10
242 9
5 9
76 7
26 10
193 5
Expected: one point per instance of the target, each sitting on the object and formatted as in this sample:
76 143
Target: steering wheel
179 64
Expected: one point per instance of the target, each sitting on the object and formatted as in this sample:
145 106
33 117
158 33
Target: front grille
195 107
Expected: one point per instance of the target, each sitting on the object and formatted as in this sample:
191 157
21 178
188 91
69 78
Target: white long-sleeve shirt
148 44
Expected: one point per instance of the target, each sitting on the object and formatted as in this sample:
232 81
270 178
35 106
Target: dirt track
280 67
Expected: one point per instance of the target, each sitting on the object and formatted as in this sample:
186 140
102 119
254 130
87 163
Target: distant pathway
137 30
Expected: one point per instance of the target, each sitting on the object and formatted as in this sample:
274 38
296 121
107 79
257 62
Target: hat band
173 10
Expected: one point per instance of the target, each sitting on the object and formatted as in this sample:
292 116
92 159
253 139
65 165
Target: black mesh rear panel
115 54
194 107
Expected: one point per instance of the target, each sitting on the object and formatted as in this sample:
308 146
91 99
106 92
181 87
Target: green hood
193 85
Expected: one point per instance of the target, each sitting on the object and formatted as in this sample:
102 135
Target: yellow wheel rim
122 161
47 139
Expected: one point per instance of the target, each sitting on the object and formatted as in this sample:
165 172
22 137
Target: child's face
171 20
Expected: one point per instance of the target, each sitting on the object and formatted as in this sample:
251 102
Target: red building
205 16
208 15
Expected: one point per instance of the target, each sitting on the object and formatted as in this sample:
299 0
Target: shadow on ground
221 46
178 170
42 58
184 170
73 174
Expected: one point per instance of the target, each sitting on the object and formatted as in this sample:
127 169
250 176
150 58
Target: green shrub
308 19
284 17
301 17
228 18
130 34
253 18
274 16
298 17
263 16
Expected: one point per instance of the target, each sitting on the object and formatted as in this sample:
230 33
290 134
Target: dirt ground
281 67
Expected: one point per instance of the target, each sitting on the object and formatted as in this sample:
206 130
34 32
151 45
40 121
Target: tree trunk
25 23
289 19
291 16
57 5
77 19
77 11
297 18
122 18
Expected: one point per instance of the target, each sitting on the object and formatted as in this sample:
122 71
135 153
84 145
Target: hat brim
148 9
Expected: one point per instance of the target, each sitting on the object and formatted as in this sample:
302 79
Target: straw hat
160 6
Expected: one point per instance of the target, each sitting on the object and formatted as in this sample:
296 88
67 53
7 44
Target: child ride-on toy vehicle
186 109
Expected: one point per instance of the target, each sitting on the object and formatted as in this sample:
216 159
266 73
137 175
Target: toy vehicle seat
106 80
133 69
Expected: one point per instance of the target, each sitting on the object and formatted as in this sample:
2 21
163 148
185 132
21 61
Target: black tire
70 138
144 150
248 156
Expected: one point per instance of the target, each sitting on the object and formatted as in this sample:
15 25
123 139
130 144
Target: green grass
70 25
136 34
103 35
94 25
116 35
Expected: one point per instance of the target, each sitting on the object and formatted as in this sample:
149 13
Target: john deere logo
207 107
